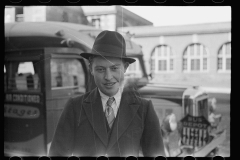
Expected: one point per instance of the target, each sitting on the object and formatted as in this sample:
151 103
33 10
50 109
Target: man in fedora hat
110 120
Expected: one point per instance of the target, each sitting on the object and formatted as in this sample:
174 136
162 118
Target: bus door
24 104
65 72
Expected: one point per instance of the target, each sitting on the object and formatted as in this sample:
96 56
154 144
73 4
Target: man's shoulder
140 99
144 101
80 98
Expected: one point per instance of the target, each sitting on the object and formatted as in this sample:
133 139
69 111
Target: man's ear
126 64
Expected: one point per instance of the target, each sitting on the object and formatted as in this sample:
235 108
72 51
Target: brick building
188 54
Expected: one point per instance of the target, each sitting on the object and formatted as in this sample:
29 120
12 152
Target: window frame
62 53
224 56
198 54
14 57
68 87
156 57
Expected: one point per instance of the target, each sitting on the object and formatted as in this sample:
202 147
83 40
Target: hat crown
109 43
111 38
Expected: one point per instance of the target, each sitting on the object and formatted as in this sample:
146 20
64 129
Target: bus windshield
21 76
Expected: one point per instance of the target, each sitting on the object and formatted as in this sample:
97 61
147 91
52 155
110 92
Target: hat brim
127 59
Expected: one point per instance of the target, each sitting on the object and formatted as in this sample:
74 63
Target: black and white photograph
117 81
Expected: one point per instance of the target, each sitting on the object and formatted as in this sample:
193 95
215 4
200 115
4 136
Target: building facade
113 17
73 14
188 54
101 17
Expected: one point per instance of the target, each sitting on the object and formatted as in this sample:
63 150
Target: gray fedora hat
109 44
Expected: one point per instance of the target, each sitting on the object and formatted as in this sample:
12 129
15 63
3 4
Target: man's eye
114 68
100 69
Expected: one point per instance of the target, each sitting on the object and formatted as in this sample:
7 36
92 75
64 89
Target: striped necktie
109 112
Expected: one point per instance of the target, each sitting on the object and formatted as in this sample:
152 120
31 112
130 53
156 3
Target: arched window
195 58
162 59
224 57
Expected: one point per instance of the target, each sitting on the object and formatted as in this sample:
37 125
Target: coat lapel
126 112
94 111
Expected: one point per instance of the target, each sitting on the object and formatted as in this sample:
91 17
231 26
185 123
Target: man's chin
111 92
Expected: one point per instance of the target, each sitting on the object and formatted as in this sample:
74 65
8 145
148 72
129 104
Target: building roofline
115 10
133 15
150 31
87 12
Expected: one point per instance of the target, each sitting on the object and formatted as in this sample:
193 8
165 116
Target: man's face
108 74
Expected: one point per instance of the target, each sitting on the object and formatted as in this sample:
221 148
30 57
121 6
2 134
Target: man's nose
108 74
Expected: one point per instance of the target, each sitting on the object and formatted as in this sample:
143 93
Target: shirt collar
117 98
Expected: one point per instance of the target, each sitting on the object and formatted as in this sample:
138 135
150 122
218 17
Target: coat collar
126 112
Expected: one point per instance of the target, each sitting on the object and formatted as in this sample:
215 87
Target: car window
67 73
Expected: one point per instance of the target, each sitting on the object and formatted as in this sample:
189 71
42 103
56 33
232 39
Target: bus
42 70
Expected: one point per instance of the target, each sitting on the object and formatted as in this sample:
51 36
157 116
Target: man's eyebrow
99 66
114 65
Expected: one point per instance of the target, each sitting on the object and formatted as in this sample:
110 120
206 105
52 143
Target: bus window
191 107
186 105
67 73
205 104
22 76
26 67
203 108
200 108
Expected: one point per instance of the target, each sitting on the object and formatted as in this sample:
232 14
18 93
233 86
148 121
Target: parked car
186 110
43 69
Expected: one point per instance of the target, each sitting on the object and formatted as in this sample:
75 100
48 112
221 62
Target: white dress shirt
115 104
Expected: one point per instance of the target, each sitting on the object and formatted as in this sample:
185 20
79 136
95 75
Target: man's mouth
109 84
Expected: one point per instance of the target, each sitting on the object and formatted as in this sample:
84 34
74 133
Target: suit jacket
81 130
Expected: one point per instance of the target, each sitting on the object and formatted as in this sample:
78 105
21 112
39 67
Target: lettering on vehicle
24 98
195 131
17 111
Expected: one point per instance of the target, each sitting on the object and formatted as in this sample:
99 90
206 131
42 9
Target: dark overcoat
82 131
